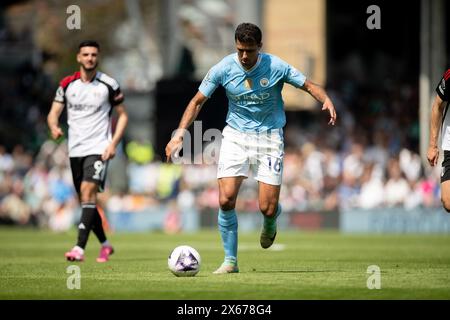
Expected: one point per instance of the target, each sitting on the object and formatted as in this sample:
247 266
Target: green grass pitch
302 265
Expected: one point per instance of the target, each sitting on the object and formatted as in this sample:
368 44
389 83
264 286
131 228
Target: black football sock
89 210
97 228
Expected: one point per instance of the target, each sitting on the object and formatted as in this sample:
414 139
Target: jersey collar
236 58
94 77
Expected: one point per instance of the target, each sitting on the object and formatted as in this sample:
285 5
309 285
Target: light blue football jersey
254 96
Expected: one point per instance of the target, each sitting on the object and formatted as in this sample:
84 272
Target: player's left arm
121 125
320 95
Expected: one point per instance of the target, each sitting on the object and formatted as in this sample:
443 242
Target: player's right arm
53 119
435 125
209 84
190 114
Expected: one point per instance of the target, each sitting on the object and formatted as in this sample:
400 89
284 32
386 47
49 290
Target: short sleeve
60 95
211 81
443 87
117 97
294 77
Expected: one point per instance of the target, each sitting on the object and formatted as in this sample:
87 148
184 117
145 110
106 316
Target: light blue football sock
228 227
270 223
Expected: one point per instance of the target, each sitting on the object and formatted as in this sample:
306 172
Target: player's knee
86 197
88 193
268 209
227 203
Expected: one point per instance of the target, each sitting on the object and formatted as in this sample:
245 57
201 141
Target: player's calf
269 230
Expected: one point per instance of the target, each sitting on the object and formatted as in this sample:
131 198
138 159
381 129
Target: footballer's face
248 53
87 58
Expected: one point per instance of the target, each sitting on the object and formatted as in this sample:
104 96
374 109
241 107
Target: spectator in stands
397 188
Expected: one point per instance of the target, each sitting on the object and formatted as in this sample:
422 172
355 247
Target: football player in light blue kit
253 137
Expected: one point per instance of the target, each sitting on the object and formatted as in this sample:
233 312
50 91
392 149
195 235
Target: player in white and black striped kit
440 117
89 97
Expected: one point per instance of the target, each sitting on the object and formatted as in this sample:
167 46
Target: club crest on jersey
264 82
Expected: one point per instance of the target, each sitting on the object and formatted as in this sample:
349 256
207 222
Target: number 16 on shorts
274 164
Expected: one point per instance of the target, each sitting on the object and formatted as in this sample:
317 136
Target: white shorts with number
260 152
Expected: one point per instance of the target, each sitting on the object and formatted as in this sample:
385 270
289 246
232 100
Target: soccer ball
184 261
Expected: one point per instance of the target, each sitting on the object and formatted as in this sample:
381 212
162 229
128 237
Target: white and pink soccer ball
184 261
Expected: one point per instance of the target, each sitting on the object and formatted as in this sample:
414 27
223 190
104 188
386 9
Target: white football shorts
260 152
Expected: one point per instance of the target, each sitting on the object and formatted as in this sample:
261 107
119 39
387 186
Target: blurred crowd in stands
369 160
37 190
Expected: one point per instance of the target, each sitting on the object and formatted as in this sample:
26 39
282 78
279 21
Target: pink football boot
105 252
74 255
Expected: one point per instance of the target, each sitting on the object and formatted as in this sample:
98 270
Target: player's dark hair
248 33
89 43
